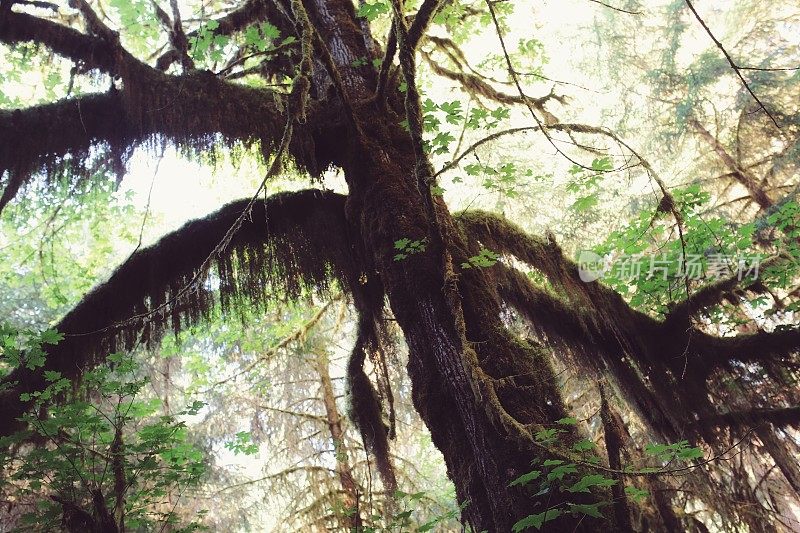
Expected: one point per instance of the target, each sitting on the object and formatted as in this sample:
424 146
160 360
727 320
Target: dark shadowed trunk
478 389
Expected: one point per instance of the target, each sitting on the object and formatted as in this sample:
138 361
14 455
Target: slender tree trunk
744 177
779 453
352 520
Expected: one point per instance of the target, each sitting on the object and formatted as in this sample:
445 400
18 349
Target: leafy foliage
102 448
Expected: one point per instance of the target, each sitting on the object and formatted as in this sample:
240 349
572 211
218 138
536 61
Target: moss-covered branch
422 19
289 245
665 369
195 112
502 236
90 51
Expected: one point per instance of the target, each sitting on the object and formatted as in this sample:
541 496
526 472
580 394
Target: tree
485 393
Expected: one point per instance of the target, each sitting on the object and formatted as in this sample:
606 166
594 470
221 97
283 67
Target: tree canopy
560 242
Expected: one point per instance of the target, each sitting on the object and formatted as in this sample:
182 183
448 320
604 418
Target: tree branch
489 138
616 8
421 21
632 330
90 51
386 63
476 85
291 244
95 25
193 111
743 176
733 65
711 294
758 347
177 37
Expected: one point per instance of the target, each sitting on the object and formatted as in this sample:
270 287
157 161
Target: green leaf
585 509
194 408
583 445
636 494
268 33
690 453
585 203
546 435
51 376
524 479
602 164
436 190
536 520
51 336
567 421
592 480
372 11
560 471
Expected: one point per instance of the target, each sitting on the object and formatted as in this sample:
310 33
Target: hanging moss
290 245
364 403
196 112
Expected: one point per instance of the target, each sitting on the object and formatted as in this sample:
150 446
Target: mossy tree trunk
476 386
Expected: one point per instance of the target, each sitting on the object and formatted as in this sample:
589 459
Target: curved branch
733 65
621 10
194 111
422 19
491 137
476 85
713 294
92 52
290 244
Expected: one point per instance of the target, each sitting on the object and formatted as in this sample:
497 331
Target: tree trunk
351 520
478 389
777 450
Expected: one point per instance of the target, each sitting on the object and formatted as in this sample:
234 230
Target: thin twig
515 78
616 8
452 164
733 65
